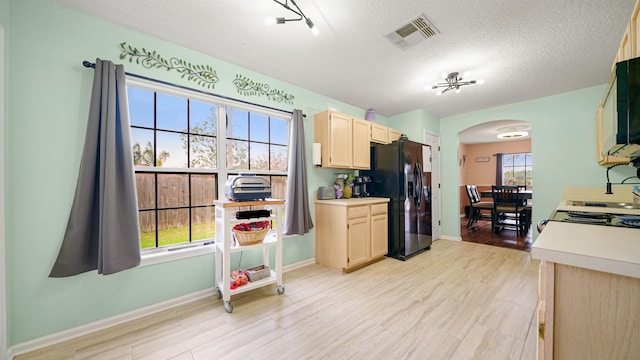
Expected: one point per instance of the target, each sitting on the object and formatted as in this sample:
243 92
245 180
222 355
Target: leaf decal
204 75
248 87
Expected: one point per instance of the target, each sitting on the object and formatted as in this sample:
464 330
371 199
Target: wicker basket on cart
258 272
252 237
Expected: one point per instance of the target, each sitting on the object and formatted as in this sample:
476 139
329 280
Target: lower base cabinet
587 314
351 233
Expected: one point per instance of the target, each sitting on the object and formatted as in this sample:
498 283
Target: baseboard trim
65 335
452 238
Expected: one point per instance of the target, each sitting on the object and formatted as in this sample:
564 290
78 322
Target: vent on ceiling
413 33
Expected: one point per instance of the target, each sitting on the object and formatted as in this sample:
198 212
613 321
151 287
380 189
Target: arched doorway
485 159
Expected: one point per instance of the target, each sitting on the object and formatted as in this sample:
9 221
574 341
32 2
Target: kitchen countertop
353 201
601 248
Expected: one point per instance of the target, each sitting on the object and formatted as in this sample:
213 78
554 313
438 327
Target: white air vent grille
413 33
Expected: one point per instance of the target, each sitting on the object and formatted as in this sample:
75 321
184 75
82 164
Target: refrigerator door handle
417 173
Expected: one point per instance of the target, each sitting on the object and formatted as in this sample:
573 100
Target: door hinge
541 330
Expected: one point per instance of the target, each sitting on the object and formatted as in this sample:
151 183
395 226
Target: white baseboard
82 330
452 238
78 331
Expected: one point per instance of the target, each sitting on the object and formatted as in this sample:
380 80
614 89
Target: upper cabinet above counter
345 140
607 114
383 135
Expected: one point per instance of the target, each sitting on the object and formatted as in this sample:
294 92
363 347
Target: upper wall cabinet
383 135
630 43
606 119
607 111
344 140
379 134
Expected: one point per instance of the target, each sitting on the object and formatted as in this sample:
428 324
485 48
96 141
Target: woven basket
258 273
250 237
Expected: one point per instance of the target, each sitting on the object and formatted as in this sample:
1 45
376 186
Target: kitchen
553 118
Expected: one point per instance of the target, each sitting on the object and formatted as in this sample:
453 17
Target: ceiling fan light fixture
453 81
512 135
298 12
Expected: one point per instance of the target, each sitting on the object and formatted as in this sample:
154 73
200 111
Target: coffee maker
360 186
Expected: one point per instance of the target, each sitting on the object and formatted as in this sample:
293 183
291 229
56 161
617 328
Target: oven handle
542 224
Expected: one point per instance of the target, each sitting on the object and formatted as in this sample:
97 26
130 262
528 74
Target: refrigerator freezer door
398 173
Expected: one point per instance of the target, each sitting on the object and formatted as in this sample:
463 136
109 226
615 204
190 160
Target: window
517 169
180 159
258 143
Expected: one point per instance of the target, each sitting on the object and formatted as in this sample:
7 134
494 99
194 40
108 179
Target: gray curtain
297 217
499 169
103 232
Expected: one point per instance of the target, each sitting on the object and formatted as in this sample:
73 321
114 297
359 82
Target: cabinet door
624 53
394 135
635 32
358 241
605 117
379 235
361 152
340 141
379 134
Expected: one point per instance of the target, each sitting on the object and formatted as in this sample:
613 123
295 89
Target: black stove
597 218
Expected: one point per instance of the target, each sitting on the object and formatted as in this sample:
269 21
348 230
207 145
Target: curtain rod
88 64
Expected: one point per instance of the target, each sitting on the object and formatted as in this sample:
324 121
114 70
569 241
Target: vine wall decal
248 87
204 75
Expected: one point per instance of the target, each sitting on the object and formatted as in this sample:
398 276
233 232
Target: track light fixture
453 82
297 11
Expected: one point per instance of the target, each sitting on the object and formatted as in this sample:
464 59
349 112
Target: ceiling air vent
413 33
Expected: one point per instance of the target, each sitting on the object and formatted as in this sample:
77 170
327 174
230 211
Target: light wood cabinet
394 135
587 314
379 134
606 118
360 144
379 230
624 52
383 135
351 233
630 43
344 140
358 233
605 131
635 31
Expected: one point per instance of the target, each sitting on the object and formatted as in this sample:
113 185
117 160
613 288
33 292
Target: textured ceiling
522 49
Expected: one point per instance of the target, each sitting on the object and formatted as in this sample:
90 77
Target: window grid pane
517 169
177 207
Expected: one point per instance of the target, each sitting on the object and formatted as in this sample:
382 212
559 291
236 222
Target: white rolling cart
225 246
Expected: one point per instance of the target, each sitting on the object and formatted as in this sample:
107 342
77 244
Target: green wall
413 124
50 92
46 121
563 145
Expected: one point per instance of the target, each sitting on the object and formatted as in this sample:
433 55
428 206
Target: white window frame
187 250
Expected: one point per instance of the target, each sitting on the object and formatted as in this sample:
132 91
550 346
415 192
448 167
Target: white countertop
353 201
602 248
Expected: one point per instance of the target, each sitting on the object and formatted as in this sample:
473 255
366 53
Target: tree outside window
517 169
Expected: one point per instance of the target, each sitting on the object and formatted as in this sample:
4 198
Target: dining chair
509 211
478 209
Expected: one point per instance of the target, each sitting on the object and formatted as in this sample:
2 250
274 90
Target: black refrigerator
401 171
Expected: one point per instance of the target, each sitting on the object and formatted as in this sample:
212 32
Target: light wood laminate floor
459 300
